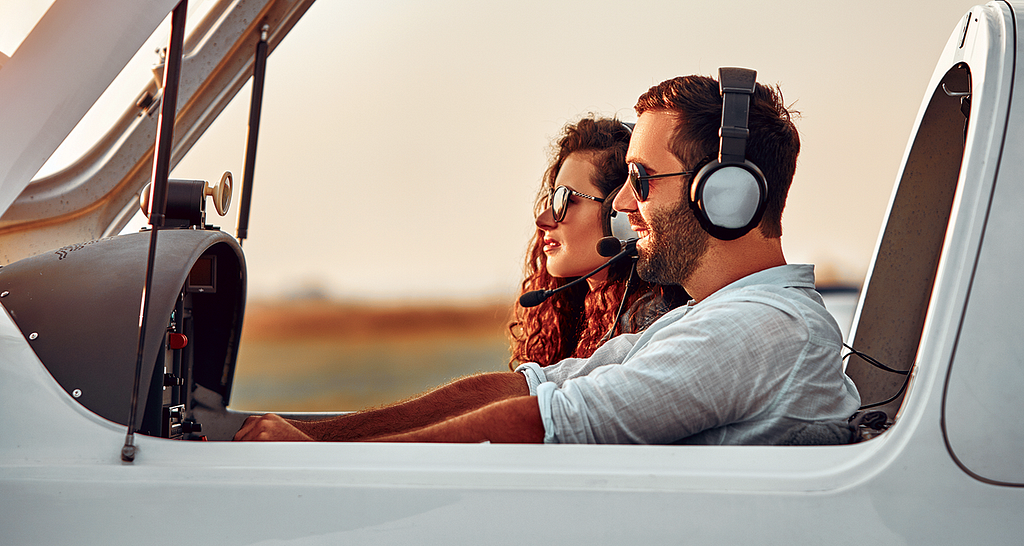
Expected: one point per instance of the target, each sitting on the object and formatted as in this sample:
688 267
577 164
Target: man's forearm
456 398
513 420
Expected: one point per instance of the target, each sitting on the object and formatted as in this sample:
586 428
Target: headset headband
736 85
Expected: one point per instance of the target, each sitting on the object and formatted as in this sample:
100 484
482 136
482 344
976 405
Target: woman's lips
550 244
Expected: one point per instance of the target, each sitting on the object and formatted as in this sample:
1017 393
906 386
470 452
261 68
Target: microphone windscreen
609 246
534 298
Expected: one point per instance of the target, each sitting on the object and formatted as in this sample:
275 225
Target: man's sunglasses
638 178
559 201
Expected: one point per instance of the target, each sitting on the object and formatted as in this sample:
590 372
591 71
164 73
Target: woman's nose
546 220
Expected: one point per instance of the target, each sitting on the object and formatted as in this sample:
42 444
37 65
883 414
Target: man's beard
676 244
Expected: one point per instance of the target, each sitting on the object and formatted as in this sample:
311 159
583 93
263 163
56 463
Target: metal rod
255 107
158 198
955 93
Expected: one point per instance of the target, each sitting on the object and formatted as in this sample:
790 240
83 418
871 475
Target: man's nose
546 220
625 200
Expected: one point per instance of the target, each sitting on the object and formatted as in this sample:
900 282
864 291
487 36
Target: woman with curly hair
573 212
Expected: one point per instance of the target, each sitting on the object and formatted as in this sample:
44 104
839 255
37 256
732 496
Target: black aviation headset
616 224
729 194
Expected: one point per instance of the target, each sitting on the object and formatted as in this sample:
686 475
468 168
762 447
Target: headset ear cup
728 198
615 224
607 212
621 228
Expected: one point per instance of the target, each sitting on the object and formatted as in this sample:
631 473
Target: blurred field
315 355
325 356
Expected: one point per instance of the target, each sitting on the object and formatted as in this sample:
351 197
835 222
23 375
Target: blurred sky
402 143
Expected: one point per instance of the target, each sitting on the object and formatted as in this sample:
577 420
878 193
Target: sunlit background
402 143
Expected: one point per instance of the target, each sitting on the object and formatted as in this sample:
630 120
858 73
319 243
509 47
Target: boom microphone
628 249
610 246
535 298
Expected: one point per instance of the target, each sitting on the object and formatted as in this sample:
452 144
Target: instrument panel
78 308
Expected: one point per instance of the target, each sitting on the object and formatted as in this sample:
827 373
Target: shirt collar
786 276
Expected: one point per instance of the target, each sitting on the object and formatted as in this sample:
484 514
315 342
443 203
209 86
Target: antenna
158 200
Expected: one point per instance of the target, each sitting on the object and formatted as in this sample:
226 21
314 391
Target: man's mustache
637 221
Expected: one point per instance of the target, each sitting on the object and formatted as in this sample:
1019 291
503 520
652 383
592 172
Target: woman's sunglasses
559 201
638 178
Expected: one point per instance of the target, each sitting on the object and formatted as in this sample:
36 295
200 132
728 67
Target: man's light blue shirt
757 362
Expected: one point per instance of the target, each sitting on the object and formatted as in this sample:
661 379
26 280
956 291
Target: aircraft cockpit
91 347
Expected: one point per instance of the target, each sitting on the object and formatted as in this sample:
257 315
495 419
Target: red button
177 341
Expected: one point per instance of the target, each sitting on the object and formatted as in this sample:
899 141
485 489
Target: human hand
269 428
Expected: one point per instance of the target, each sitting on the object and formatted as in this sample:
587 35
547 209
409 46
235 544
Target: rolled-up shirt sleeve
534 375
611 352
545 381
542 389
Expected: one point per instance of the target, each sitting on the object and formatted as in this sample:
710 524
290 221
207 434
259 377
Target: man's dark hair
773 144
